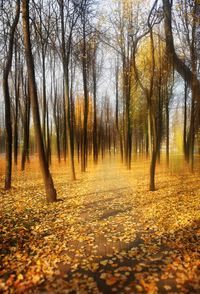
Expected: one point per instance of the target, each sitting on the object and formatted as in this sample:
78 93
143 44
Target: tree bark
26 119
48 139
153 119
180 66
95 150
185 123
56 112
48 182
17 85
85 88
6 71
44 106
65 61
187 74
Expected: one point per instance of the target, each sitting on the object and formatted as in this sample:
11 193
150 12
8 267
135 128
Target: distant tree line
52 55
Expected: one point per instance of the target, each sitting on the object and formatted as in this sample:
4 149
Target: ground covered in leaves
106 234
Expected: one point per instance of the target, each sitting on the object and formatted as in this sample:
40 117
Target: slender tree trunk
64 126
153 119
16 122
72 116
194 91
56 112
117 112
6 71
129 141
8 133
149 131
152 171
117 95
58 138
17 85
25 130
69 138
95 150
160 117
167 128
44 106
65 61
147 145
185 123
121 145
48 139
101 136
192 132
85 88
28 125
128 131
154 155
48 182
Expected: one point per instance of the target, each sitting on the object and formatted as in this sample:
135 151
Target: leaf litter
107 233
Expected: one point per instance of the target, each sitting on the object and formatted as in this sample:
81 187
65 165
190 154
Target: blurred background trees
111 78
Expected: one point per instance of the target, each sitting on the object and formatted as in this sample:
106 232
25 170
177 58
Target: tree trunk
56 112
152 171
185 123
6 71
44 106
26 117
85 88
48 182
72 114
17 84
191 136
154 154
95 150
167 128
8 133
16 124
64 125
153 118
48 139
69 138
189 76
65 62
160 117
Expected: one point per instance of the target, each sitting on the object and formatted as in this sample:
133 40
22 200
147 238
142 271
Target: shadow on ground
149 264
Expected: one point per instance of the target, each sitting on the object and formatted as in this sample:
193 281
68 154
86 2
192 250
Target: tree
17 93
6 93
65 56
85 84
57 121
94 78
48 182
188 74
43 29
25 122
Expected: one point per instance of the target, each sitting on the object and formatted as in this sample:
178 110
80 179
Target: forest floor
106 234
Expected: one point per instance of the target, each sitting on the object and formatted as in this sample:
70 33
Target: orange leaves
109 278
108 228
20 277
149 287
94 266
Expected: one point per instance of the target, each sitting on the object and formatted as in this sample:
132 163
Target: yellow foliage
79 112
